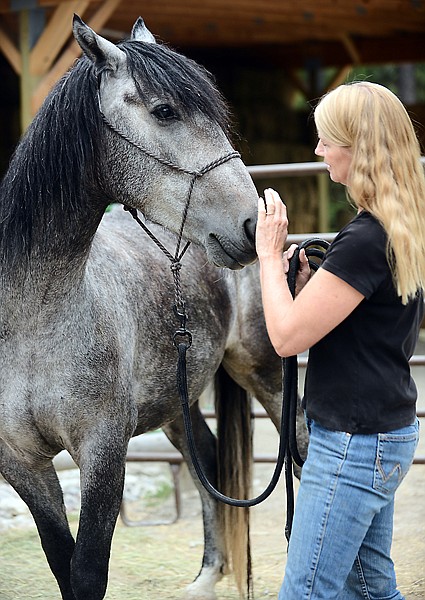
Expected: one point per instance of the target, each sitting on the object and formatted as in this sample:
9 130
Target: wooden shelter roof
335 31
290 33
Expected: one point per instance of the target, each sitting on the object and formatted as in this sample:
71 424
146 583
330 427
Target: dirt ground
157 562
268 541
269 544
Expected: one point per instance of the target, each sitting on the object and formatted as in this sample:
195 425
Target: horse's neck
41 284
52 263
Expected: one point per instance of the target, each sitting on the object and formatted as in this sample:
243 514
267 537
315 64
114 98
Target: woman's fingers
290 251
262 208
287 255
273 202
272 225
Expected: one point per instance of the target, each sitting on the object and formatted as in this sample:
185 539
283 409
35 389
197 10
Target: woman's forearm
277 300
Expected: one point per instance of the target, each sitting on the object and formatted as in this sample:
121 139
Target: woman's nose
319 149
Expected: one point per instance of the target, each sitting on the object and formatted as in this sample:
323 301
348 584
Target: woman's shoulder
361 239
358 254
363 228
363 219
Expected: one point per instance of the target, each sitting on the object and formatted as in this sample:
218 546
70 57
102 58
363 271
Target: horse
87 359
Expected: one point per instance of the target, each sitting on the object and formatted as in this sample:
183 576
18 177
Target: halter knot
175 266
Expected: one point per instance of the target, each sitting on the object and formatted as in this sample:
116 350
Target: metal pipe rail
175 460
292 169
271 458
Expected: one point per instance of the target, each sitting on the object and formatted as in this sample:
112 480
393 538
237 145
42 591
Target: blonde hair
386 177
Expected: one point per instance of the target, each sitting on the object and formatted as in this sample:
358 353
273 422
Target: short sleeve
358 254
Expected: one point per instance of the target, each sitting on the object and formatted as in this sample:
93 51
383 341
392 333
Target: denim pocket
394 456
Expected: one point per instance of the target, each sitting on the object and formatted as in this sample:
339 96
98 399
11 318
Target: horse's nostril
249 227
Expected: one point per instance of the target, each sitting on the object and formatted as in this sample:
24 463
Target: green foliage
389 75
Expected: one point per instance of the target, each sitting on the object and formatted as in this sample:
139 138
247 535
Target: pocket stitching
386 478
380 479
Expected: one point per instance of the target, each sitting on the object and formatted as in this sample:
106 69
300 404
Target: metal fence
292 169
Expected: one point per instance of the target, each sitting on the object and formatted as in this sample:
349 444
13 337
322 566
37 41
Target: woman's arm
324 302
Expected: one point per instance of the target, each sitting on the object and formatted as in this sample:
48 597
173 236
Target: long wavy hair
386 177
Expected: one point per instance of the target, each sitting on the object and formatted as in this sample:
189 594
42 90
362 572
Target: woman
360 316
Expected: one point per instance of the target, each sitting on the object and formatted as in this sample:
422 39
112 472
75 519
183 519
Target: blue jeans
343 523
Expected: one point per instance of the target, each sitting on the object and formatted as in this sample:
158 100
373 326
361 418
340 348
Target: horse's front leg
214 562
102 466
41 491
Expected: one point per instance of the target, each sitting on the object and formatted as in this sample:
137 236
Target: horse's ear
141 33
99 50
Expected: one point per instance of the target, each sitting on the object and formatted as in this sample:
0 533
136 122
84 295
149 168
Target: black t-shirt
358 377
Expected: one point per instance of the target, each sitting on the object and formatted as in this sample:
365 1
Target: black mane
54 166
44 185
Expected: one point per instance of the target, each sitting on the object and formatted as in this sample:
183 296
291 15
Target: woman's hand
272 225
304 271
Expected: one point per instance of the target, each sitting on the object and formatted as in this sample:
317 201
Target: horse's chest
22 382
32 382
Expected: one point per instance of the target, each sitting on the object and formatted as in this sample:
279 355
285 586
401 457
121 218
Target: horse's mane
44 185
54 166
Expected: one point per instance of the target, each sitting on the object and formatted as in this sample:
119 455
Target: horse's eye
165 113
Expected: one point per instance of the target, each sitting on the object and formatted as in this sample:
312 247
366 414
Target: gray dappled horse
85 354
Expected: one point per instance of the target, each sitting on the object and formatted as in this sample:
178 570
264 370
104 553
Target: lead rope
288 450
314 247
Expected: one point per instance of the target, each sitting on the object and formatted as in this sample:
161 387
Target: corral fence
174 458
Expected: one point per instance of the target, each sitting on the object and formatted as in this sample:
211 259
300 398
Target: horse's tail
235 459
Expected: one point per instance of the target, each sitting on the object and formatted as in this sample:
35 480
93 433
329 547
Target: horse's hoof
193 592
203 586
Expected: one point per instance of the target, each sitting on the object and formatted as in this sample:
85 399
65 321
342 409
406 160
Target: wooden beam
339 78
298 83
351 49
103 13
54 36
10 51
64 62
47 3
7 6
69 55
27 83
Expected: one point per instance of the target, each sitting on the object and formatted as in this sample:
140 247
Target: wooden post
31 22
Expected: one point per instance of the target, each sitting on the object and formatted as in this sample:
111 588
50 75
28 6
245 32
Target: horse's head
165 128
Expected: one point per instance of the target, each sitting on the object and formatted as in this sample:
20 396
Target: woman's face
337 159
